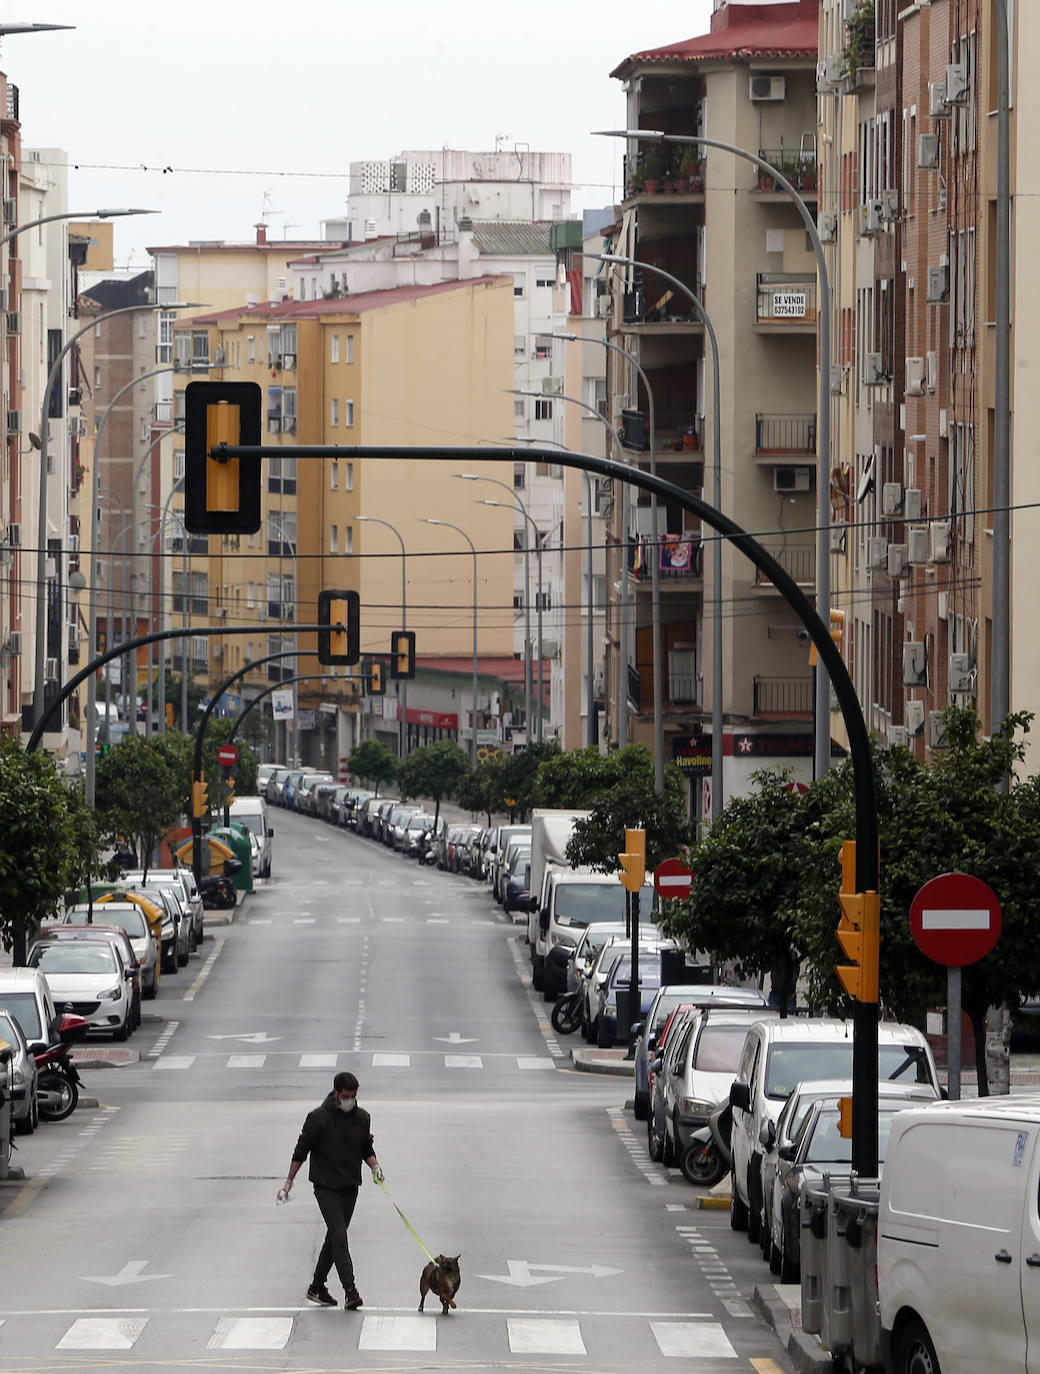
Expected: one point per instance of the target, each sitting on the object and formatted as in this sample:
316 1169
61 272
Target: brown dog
442 1278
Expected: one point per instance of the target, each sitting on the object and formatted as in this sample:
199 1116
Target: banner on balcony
676 554
282 704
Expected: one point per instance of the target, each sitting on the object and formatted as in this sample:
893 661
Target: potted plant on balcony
859 46
689 173
654 167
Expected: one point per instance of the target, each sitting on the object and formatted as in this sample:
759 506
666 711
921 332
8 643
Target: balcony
785 436
786 301
659 308
676 431
679 557
799 168
799 562
783 697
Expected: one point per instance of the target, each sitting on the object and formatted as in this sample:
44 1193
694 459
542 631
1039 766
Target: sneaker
353 1300
318 1293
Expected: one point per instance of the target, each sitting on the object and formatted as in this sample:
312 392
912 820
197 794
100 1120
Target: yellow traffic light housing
376 683
402 654
837 633
199 798
845 1117
221 496
340 642
859 933
633 861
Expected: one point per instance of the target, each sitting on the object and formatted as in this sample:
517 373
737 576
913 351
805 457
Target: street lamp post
521 506
429 520
402 683
822 745
282 538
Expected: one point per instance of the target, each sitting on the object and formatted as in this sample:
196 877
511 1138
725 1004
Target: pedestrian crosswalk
522 1063
697 1340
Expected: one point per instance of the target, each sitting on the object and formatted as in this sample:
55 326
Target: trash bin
836 1323
857 1214
813 1255
6 1088
236 837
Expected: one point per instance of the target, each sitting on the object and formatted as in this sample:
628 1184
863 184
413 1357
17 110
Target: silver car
25 1110
129 917
182 880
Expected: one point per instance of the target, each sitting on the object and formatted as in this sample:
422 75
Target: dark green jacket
338 1142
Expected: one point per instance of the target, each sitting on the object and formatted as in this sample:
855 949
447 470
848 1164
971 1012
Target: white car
87 979
129 917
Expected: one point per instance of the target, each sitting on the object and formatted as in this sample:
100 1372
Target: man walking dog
338 1137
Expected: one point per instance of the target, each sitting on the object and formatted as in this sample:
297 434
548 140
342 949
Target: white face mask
347 1105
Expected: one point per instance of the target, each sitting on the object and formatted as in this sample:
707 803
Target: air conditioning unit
890 200
603 307
218 355
14 642
14 422
827 226
866 226
913 503
14 322
877 552
915 376
791 479
289 360
218 652
938 285
938 108
837 380
14 536
10 212
875 216
939 541
897 736
50 669
917 543
937 730
961 674
914 718
898 561
958 92
928 151
552 386
830 72
915 663
891 498
220 613
261 611
931 372
77 427
767 88
873 371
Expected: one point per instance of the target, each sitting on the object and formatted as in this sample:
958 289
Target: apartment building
739 245
415 365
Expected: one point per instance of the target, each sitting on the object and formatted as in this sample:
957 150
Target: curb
805 1351
597 1061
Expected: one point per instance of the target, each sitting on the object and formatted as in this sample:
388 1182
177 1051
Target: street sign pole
953 1032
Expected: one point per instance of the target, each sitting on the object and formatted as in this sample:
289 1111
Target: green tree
577 778
516 778
39 826
481 789
372 761
137 795
436 771
196 699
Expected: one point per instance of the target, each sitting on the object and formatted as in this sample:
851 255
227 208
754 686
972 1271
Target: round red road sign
955 919
227 754
673 878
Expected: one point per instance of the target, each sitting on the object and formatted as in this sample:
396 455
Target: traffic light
375 685
339 646
859 933
199 798
845 1117
169 714
633 861
402 653
221 497
837 633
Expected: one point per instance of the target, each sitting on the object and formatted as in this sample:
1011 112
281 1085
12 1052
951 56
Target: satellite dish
866 482
34 439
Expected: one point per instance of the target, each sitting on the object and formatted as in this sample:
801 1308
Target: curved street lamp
429 520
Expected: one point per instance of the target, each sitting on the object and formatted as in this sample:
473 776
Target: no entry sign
227 754
955 919
673 878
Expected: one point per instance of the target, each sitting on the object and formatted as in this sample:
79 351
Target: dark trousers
337 1207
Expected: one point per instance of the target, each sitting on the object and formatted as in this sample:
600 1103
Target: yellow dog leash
407 1223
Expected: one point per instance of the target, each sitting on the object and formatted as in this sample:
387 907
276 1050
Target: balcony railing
785 434
783 696
797 562
661 303
786 298
799 168
676 555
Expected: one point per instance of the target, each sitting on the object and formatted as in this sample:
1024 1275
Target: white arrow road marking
130 1273
520 1275
454 1038
254 1038
932 919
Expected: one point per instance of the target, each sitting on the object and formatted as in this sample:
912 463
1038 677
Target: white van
252 813
958 1239
25 993
777 1056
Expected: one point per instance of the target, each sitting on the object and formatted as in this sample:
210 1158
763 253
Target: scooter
218 891
59 1080
566 1014
707 1158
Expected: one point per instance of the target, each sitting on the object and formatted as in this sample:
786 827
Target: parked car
445 843
779 1054
25 1108
398 825
26 994
417 827
616 972
114 936
129 917
382 818
498 854
275 783
518 882
470 853
303 792
174 925
351 806
287 795
252 813
656 1139
182 881
264 772
365 814
88 979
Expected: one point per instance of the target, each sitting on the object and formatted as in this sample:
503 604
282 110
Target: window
178 465
348 484
200 652
348 414
199 593
250 595
251 348
274 410
519 282
348 538
164 349
350 348
289 339
334 353
542 349
519 477
545 281
334 475
334 413
333 539
543 410
281 534
544 600
596 394
181 348
281 475
289 410
519 346
519 409
518 601
200 346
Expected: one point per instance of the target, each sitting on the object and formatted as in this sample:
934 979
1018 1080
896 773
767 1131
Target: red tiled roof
742 31
344 305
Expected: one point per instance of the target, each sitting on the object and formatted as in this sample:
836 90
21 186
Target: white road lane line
692 1340
391 1061
251 1333
204 971
246 1061
533 1062
544 1336
318 1061
175 1061
463 1061
103 1333
398 1333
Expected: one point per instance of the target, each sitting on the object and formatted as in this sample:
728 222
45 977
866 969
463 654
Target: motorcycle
566 1014
59 1080
218 891
707 1158
427 854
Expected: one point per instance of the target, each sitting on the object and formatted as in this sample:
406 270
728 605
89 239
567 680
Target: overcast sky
265 105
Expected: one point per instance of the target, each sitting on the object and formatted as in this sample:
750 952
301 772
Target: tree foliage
137 795
435 771
372 761
517 779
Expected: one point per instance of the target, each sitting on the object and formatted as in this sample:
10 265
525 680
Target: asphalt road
146 1235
